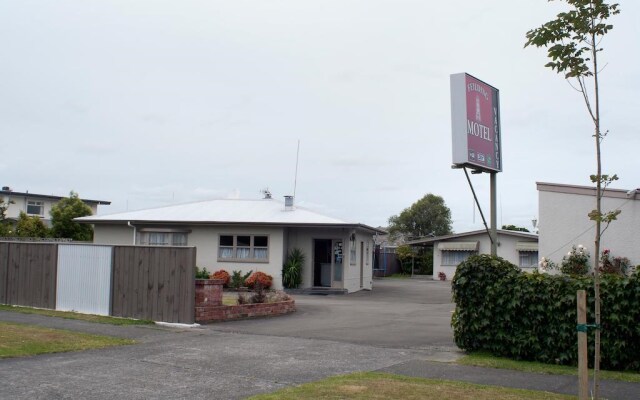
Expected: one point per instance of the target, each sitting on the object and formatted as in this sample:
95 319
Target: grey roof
48 197
523 235
226 211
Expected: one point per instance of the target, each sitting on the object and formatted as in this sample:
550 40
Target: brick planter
209 306
227 313
208 292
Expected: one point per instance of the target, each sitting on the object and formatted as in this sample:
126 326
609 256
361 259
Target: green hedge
524 316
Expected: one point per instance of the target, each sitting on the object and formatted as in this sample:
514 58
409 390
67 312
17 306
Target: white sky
149 103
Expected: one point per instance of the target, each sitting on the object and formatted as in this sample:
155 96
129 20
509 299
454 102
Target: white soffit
458 246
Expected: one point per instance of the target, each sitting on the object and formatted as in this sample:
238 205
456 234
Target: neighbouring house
252 235
38 205
563 221
519 248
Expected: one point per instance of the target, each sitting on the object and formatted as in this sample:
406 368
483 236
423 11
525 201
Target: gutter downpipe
134 231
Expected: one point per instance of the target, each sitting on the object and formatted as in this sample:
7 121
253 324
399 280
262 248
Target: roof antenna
295 179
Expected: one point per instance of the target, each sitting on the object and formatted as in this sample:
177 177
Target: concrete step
318 291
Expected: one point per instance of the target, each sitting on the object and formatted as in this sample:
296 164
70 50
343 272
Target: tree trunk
596 269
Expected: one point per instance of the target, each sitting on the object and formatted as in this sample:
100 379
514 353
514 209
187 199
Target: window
352 249
155 238
35 207
455 257
528 259
244 248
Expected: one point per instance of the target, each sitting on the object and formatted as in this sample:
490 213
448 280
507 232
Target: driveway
397 313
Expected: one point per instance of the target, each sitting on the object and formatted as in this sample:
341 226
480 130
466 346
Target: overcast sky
150 103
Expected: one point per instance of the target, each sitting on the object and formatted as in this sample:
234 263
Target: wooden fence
155 283
148 282
28 274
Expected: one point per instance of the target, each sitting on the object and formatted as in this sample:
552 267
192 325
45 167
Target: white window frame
234 249
168 237
446 259
35 203
531 256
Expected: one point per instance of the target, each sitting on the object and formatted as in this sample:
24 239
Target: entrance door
322 262
327 263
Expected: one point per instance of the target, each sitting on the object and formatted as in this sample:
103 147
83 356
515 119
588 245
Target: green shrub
576 262
202 273
292 269
238 279
509 313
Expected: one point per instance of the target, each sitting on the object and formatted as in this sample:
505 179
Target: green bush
292 269
202 273
238 279
509 313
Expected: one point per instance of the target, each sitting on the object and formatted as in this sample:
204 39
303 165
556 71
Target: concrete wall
563 222
506 250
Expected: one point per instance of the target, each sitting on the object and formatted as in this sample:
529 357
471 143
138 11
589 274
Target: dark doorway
322 262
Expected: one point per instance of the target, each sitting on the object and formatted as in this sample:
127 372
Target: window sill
243 260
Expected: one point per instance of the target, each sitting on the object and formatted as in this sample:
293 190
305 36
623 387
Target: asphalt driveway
397 313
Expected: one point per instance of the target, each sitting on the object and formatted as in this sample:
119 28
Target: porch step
318 291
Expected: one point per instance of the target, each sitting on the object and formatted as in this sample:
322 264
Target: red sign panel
475 123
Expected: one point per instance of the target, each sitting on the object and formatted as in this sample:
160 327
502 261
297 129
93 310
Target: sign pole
494 215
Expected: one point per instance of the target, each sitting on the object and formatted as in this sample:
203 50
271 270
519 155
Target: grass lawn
101 319
373 385
486 360
18 340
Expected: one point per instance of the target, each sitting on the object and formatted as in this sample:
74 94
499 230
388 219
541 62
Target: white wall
302 238
506 250
563 222
206 240
113 234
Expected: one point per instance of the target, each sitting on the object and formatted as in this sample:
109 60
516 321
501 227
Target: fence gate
84 279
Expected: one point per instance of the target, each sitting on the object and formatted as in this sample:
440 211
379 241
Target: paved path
228 361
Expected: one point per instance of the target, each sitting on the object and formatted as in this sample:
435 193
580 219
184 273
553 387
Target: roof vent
6 189
288 203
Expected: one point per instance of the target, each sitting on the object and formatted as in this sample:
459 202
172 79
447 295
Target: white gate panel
84 279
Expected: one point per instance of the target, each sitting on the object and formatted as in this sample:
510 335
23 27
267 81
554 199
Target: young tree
427 216
31 227
573 43
62 215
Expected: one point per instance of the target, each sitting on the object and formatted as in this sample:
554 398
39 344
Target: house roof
48 197
431 240
588 190
226 211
